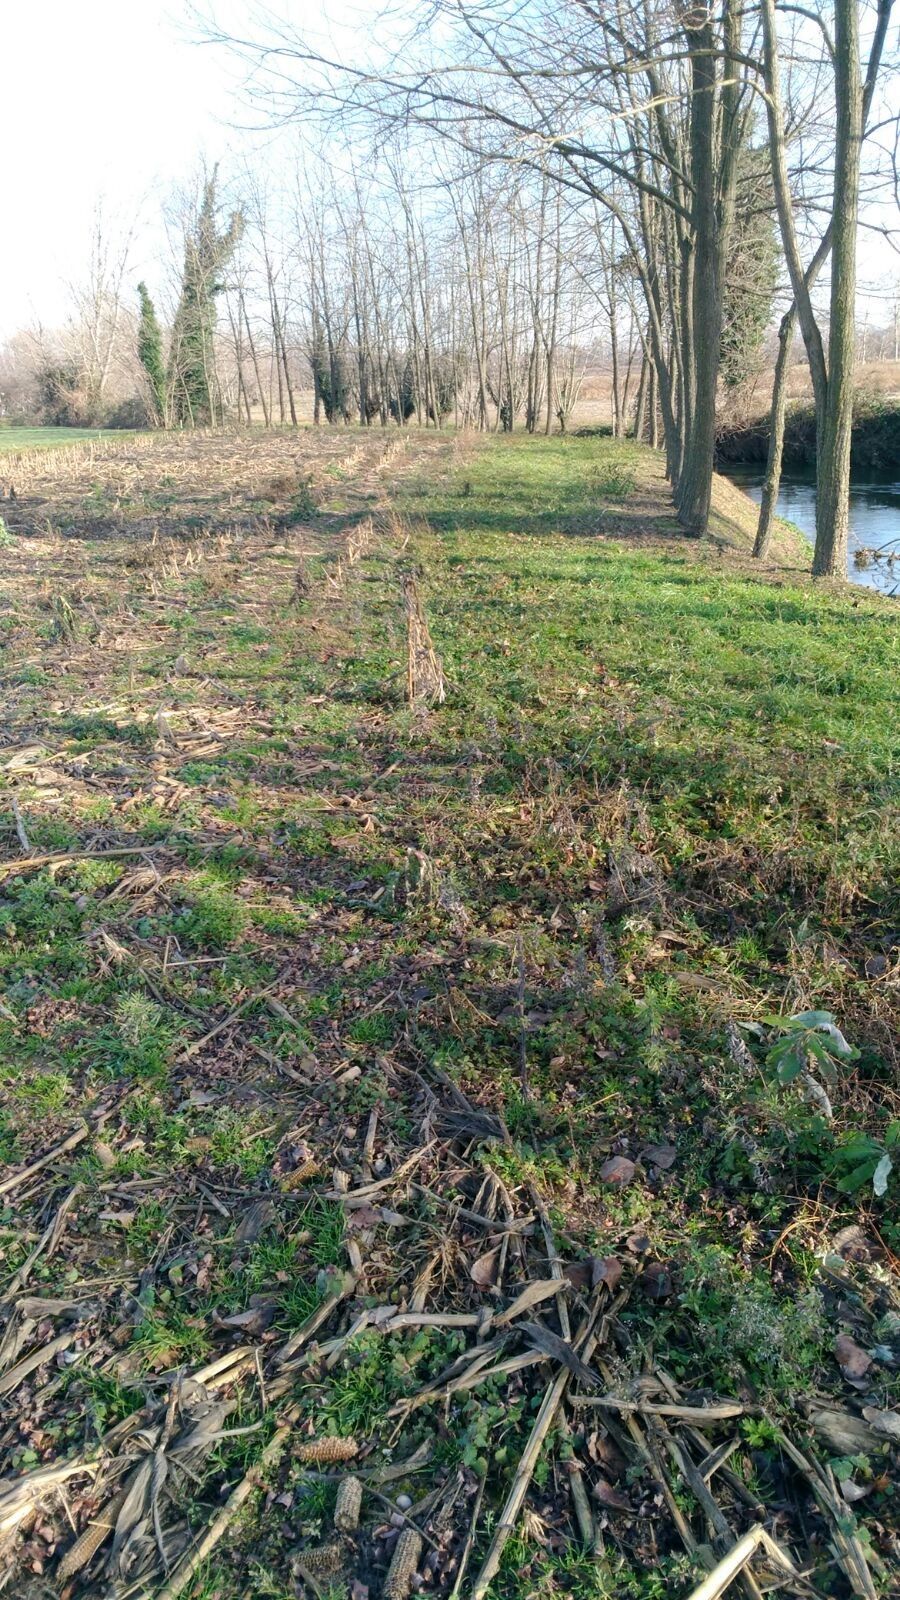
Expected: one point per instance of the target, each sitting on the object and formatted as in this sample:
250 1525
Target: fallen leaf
604 1453
608 1270
533 1293
853 1491
255 1320
610 1497
363 1217
852 1360
617 1170
638 1242
483 1272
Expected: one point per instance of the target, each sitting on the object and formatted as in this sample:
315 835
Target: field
408 1087
44 438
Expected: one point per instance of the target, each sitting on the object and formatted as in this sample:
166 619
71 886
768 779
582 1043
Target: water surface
874 517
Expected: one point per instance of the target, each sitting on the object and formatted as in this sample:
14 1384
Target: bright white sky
112 99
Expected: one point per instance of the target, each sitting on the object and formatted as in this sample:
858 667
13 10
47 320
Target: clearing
391 1090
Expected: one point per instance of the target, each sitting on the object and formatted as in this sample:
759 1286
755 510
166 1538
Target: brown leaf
618 1170
363 1217
638 1242
852 1360
610 1497
608 1270
605 1454
483 1272
254 1320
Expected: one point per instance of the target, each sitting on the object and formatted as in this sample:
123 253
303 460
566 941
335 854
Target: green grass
45 438
663 776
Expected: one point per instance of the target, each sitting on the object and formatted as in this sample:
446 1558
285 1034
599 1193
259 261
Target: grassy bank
394 1012
875 443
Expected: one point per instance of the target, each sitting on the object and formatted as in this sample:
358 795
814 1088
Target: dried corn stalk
403 1565
424 672
358 541
348 1504
302 582
324 1451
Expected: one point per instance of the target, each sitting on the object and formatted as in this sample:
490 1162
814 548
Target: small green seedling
809 1040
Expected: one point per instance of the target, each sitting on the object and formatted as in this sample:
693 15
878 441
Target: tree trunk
833 477
777 415
705 335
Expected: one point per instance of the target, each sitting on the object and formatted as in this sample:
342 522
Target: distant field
43 438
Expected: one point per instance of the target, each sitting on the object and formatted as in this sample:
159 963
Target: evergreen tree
192 366
149 349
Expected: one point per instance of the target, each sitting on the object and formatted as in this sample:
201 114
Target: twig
48 1241
251 1000
74 1139
520 999
369 1145
470 1541
58 857
726 1570
849 1550
20 825
583 1513
715 1413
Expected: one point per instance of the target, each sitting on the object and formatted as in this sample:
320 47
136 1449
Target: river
874 518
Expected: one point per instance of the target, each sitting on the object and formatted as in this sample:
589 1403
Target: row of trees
684 124
481 299
550 179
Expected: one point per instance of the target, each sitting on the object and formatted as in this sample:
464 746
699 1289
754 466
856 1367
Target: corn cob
325 1451
302 1174
348 1503
88 1543
403 1565
323 1560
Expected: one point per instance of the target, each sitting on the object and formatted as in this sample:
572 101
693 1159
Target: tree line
515 188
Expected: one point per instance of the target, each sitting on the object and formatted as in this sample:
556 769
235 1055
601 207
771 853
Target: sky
107 98
114 99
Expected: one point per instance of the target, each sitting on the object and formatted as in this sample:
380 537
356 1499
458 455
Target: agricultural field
446 916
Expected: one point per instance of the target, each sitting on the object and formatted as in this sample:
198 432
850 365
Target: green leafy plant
863 1158
809 1040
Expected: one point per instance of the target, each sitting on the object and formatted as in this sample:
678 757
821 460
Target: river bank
875 447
